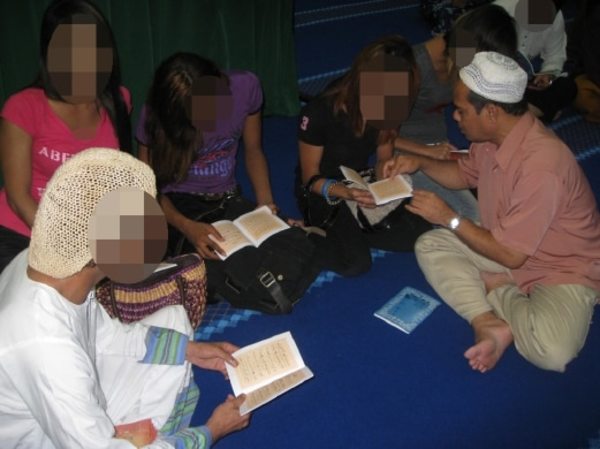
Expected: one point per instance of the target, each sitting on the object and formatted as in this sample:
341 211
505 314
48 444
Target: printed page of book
234 239
390 189
260 224
265 394
352 175
261 363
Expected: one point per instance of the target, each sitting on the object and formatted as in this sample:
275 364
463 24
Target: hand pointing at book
400 165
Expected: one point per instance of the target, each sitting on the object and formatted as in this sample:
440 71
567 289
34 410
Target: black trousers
554 98
11 244
346 249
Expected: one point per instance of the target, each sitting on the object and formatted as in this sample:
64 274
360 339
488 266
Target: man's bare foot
492 337
495 280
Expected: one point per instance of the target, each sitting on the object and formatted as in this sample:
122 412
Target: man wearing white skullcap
529 273
70 376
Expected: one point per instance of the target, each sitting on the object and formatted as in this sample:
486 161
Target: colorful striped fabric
191 438
165 347
185 404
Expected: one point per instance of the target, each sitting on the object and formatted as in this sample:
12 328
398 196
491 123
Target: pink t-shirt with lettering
534 198
52 143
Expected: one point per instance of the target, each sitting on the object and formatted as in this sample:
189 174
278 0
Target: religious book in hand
267 369
250 229
383 191
139 433
407 309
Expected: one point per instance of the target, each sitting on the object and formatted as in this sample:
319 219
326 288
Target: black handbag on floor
270 278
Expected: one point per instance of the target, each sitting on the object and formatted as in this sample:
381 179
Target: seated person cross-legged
189 132
72 377
530 272
354 119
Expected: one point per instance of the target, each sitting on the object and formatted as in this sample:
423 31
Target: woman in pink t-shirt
75 103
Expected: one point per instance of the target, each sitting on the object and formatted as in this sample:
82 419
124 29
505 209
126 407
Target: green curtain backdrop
256 35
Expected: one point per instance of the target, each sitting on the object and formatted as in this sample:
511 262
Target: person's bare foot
492 337
495 280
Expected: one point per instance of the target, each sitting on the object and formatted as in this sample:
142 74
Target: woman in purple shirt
189 132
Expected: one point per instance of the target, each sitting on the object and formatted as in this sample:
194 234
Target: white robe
69 373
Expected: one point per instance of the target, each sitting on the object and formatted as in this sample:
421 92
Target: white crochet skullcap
59 239
495 77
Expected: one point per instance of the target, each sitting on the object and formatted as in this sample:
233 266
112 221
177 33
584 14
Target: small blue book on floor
407 309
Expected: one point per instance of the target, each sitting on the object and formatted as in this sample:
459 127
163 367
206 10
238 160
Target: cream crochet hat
495 77
59 239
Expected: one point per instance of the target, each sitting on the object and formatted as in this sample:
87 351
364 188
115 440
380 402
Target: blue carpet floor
374 386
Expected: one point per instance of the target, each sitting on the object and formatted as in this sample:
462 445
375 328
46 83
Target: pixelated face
127 235
387 92
461 51
535 15
211 103
469 121
79 61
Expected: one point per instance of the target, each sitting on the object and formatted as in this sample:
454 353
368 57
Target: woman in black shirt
356 119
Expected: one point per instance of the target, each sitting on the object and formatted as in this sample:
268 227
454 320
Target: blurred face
473 125
79 68
387 94
211 103
127 235
461 51
535 15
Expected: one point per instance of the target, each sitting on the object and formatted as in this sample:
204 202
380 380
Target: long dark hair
346 91
172 138
82 11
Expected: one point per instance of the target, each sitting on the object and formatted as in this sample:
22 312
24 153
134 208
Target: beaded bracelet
331 201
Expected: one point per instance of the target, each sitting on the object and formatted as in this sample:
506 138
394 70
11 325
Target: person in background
486 28
530 272
72 377
440 14
75 103
583 51
189 132
541 30
354 119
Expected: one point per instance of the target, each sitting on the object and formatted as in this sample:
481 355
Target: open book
267 369
250 229
383 191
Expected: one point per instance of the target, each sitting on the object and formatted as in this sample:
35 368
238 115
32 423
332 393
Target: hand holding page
250 229
383 191
267 369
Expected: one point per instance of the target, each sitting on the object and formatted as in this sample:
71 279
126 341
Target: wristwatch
454 223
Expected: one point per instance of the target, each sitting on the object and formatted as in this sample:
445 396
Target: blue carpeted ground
374 386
